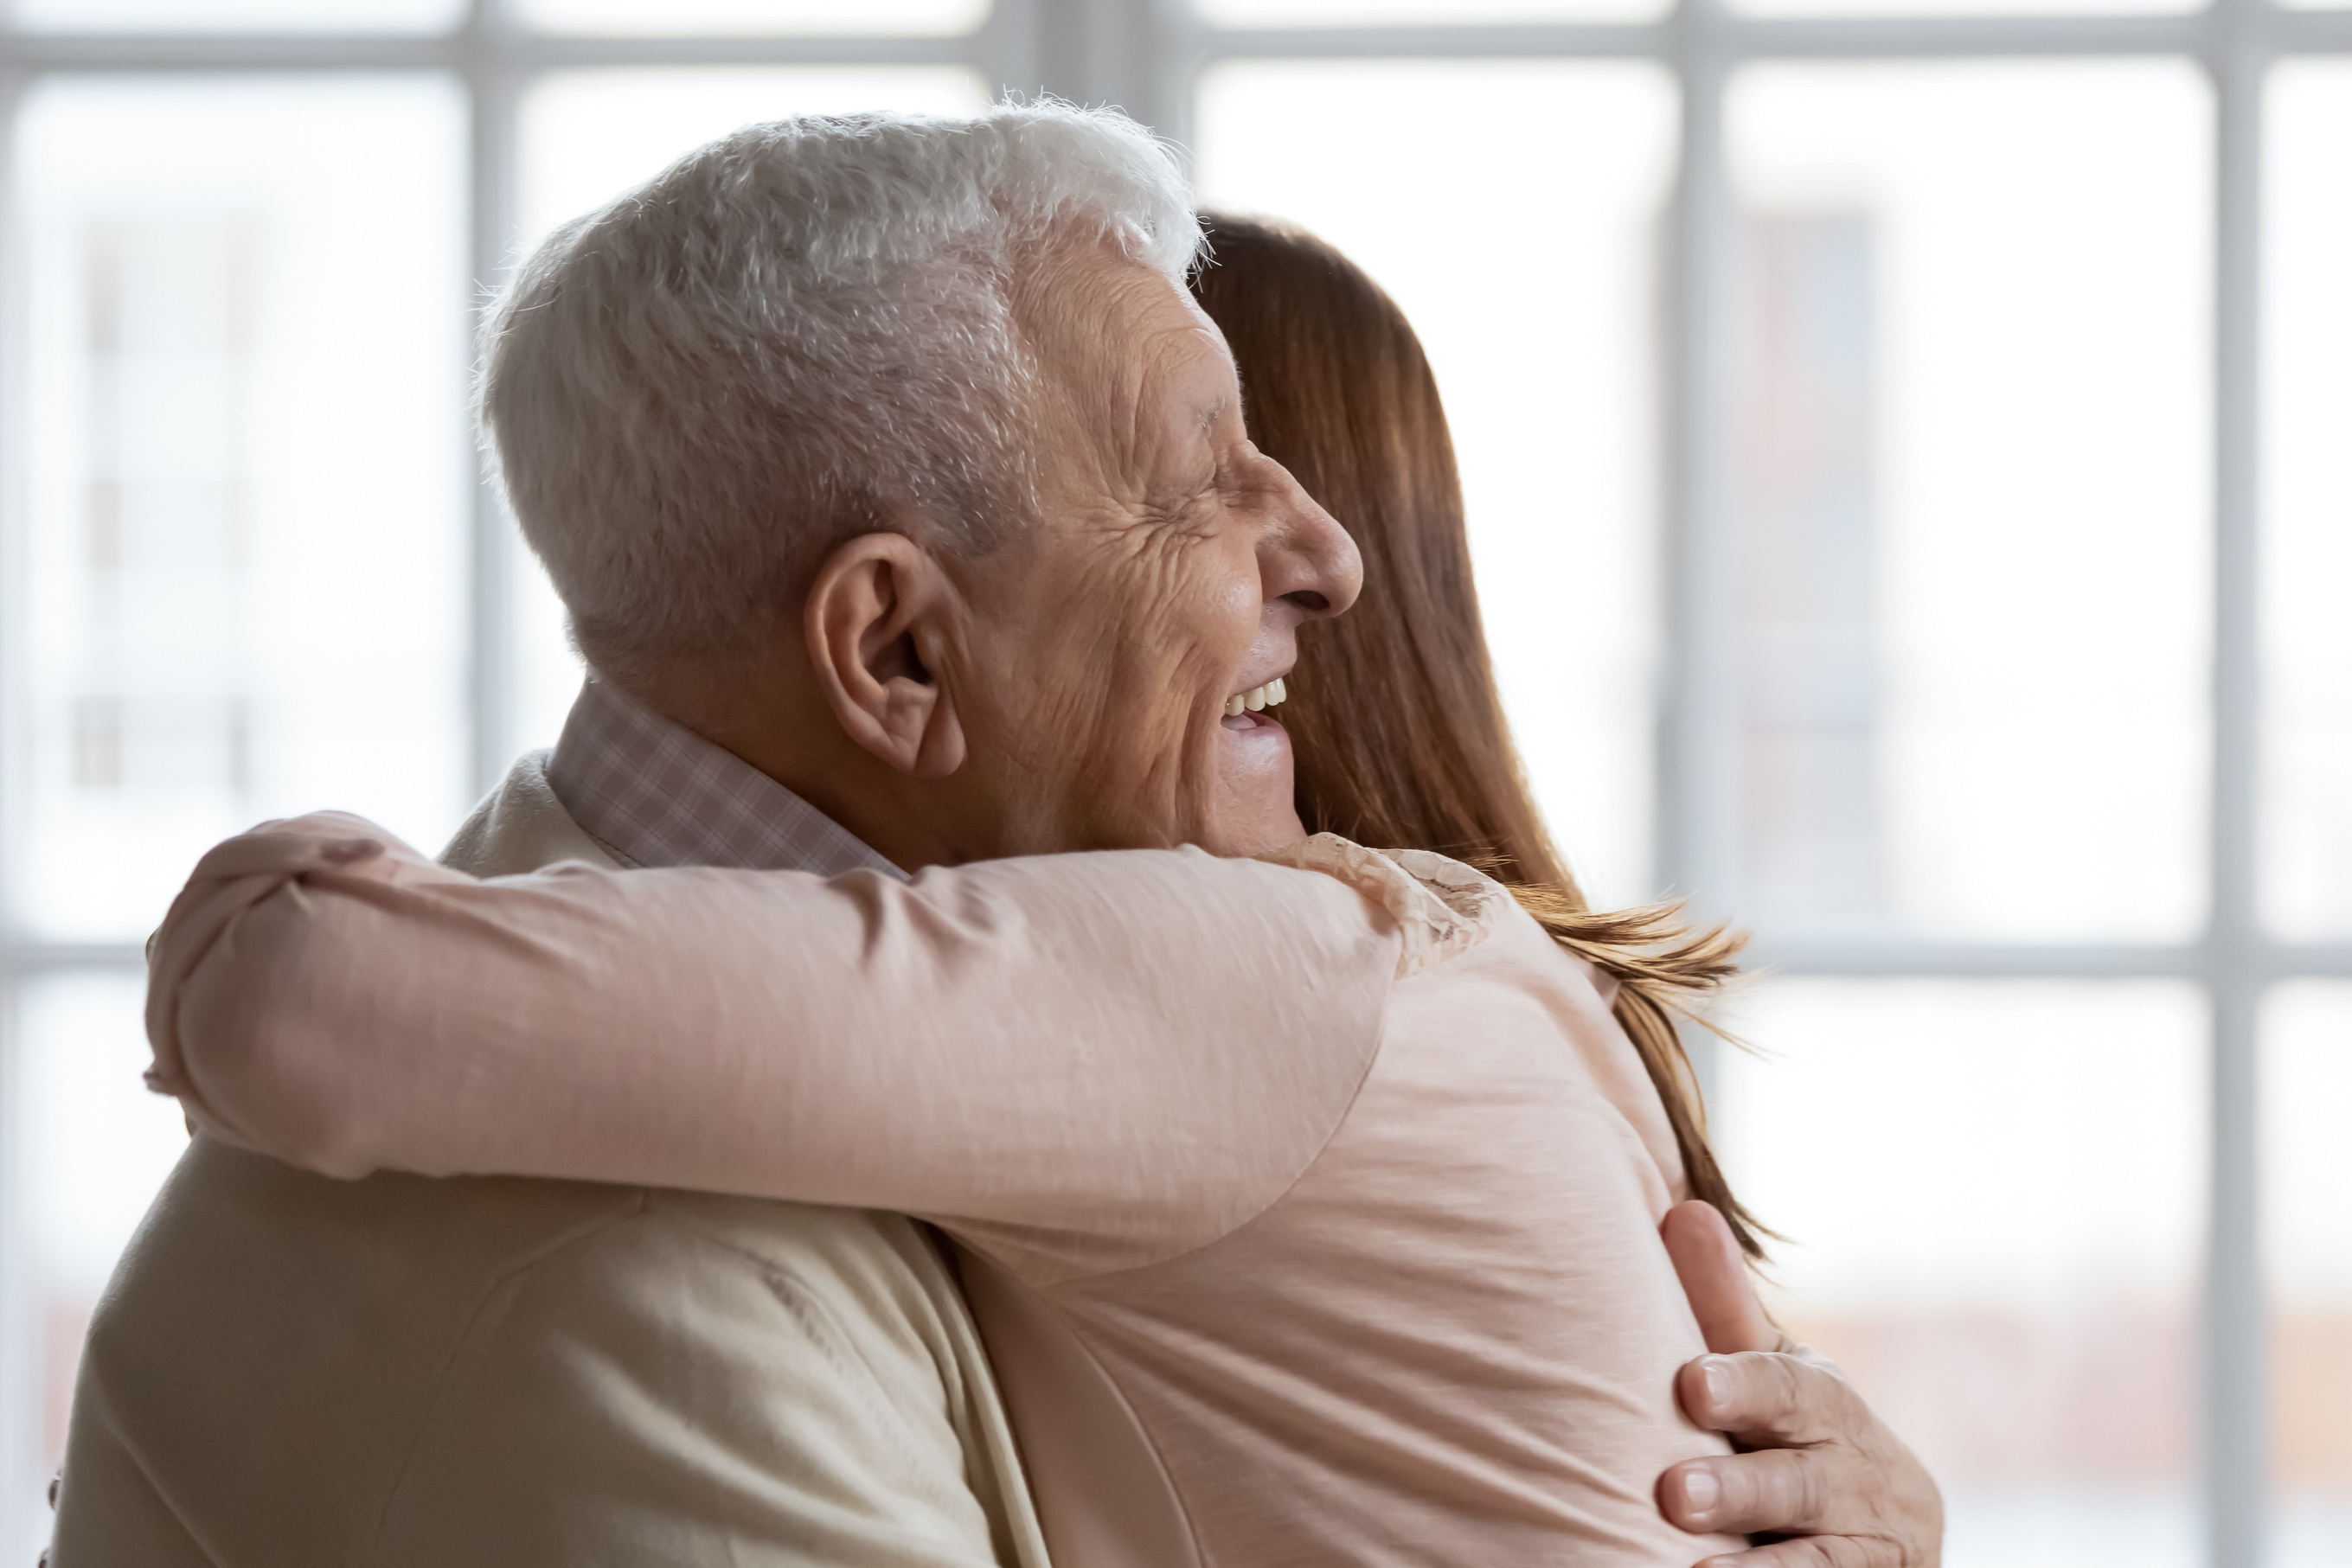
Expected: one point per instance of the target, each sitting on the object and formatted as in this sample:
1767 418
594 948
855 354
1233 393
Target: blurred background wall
1909 455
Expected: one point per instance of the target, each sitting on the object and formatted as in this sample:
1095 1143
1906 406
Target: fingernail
1701 1492
1717 1376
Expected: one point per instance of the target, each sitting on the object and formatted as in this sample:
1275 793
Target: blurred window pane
1970 495
2307 492
1537 316
1995 1195
868 18
2307 1198
240 16
1961 7
587 136
1407 13
243 571
86 1148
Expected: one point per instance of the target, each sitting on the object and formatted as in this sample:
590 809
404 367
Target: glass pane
2307 492
587 136
240 16
1995 1193
246 468
1970 497
1538 316
867 18
1960 7
2307 1211
1406 13
86 1147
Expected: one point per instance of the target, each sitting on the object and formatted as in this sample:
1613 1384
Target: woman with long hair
1399 733
1395 721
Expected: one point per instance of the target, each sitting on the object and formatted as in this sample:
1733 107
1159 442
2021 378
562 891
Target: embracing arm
1106 1045
1815 1467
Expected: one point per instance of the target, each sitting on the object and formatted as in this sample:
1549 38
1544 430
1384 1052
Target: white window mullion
490 72
2236 1378
1697 729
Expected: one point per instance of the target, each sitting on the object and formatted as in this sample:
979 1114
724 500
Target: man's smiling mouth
1271 694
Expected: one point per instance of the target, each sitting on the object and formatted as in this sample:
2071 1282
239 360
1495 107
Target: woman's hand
1817 1467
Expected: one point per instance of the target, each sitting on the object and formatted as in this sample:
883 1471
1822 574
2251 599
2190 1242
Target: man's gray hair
787 339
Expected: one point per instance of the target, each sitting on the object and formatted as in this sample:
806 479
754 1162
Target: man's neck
660 794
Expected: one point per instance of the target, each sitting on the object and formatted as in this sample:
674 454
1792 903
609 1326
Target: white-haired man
899 500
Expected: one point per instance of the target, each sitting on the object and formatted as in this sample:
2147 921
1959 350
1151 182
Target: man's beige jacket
292 1372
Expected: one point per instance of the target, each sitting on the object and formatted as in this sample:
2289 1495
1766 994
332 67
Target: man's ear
874 620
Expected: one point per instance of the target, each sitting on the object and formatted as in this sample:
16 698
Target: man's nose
1307 559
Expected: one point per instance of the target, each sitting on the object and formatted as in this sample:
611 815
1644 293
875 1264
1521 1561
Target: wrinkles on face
1167 569
1105 637
1125 633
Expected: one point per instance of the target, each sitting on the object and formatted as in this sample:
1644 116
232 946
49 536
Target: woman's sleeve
1081 1061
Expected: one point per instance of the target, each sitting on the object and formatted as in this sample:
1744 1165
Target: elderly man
899 497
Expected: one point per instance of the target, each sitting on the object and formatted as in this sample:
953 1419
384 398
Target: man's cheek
1161 727
1087 695
1132 651
1183 623
1166 703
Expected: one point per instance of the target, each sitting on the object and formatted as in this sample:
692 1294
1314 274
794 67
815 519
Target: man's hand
1818 1468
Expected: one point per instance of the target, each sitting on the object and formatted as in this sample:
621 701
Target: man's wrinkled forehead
1112 329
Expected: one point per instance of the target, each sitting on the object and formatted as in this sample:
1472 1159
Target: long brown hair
1398 733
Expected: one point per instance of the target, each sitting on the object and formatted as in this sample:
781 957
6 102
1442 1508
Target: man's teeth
1270 695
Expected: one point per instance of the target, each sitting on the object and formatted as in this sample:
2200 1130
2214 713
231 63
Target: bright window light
1995 1209
1408 13
863 18
2307 499
1962 7
244 569
1975 374
86 1146
2306 1077
240 16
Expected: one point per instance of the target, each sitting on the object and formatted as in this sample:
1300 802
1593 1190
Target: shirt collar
662 796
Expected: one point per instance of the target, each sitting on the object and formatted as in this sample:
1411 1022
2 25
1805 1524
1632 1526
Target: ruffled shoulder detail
1442 907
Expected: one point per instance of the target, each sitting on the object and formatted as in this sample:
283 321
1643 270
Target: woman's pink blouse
1310 1209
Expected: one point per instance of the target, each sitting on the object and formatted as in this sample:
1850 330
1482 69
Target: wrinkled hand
1818 1468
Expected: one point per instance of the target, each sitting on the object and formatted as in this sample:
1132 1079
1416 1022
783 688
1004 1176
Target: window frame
1148 54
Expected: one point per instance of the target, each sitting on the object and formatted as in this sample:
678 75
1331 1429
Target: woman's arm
1096 1055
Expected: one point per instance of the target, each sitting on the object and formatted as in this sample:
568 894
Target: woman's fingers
1714 1274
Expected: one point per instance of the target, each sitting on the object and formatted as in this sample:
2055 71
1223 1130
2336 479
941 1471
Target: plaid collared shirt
659 795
